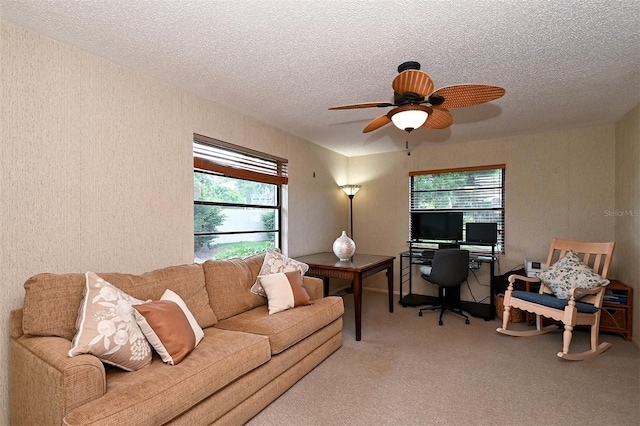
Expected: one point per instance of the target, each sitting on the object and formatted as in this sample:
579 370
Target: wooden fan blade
464 95
440 118
413 81
364 105
376 123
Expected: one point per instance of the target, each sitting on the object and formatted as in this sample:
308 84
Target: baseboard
379 290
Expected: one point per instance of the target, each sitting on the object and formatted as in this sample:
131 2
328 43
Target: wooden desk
326 266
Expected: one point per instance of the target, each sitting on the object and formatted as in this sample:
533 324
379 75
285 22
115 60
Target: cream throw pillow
570 272
169 326
284 291
275 263
107 327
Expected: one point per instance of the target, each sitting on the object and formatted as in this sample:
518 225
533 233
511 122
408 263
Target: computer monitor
479 232
436 226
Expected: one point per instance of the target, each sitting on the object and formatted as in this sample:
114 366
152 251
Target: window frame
215 157
500 245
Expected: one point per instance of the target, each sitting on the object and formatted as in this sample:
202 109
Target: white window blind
239 162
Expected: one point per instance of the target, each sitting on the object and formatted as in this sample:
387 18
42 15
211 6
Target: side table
326 265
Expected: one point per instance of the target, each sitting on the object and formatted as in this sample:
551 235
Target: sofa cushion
552 301
158 393
275 263
228 283
51 301
288 327
314 287
187 281
169 327
284 291
107 327
256 389
51 304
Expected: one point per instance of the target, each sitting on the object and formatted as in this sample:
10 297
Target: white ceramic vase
344 247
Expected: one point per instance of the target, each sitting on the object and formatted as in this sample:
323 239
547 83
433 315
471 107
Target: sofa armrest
314 286
45 384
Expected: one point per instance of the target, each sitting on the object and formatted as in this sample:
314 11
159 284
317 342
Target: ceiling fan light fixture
409 120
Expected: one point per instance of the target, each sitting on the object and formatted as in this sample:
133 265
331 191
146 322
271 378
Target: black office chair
449 269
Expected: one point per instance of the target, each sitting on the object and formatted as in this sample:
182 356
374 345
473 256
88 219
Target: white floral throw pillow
570 272
107 327
276 263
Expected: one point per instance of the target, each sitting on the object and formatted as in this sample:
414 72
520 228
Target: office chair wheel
440 323
419 313
467 322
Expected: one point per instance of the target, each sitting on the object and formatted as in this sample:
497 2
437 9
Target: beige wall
96 164
627 214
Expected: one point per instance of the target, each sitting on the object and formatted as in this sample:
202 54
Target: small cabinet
617 310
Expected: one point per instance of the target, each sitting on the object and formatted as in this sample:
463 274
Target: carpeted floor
407 370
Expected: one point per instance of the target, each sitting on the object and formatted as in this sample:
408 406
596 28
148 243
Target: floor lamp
351 190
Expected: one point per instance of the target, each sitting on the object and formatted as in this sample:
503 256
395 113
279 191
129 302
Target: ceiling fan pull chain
406 145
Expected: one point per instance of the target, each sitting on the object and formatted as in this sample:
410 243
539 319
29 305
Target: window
476 192
237 196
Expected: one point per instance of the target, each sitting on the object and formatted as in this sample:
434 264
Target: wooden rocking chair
585 311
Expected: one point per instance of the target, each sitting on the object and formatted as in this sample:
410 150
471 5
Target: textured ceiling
564 64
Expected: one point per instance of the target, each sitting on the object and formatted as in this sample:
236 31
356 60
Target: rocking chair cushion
570 272
552 301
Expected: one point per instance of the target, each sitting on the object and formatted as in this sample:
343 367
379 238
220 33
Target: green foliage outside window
242 249
269 221
208 218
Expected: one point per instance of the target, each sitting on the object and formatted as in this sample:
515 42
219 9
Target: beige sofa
245 361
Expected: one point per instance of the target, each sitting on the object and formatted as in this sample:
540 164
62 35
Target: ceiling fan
416 104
